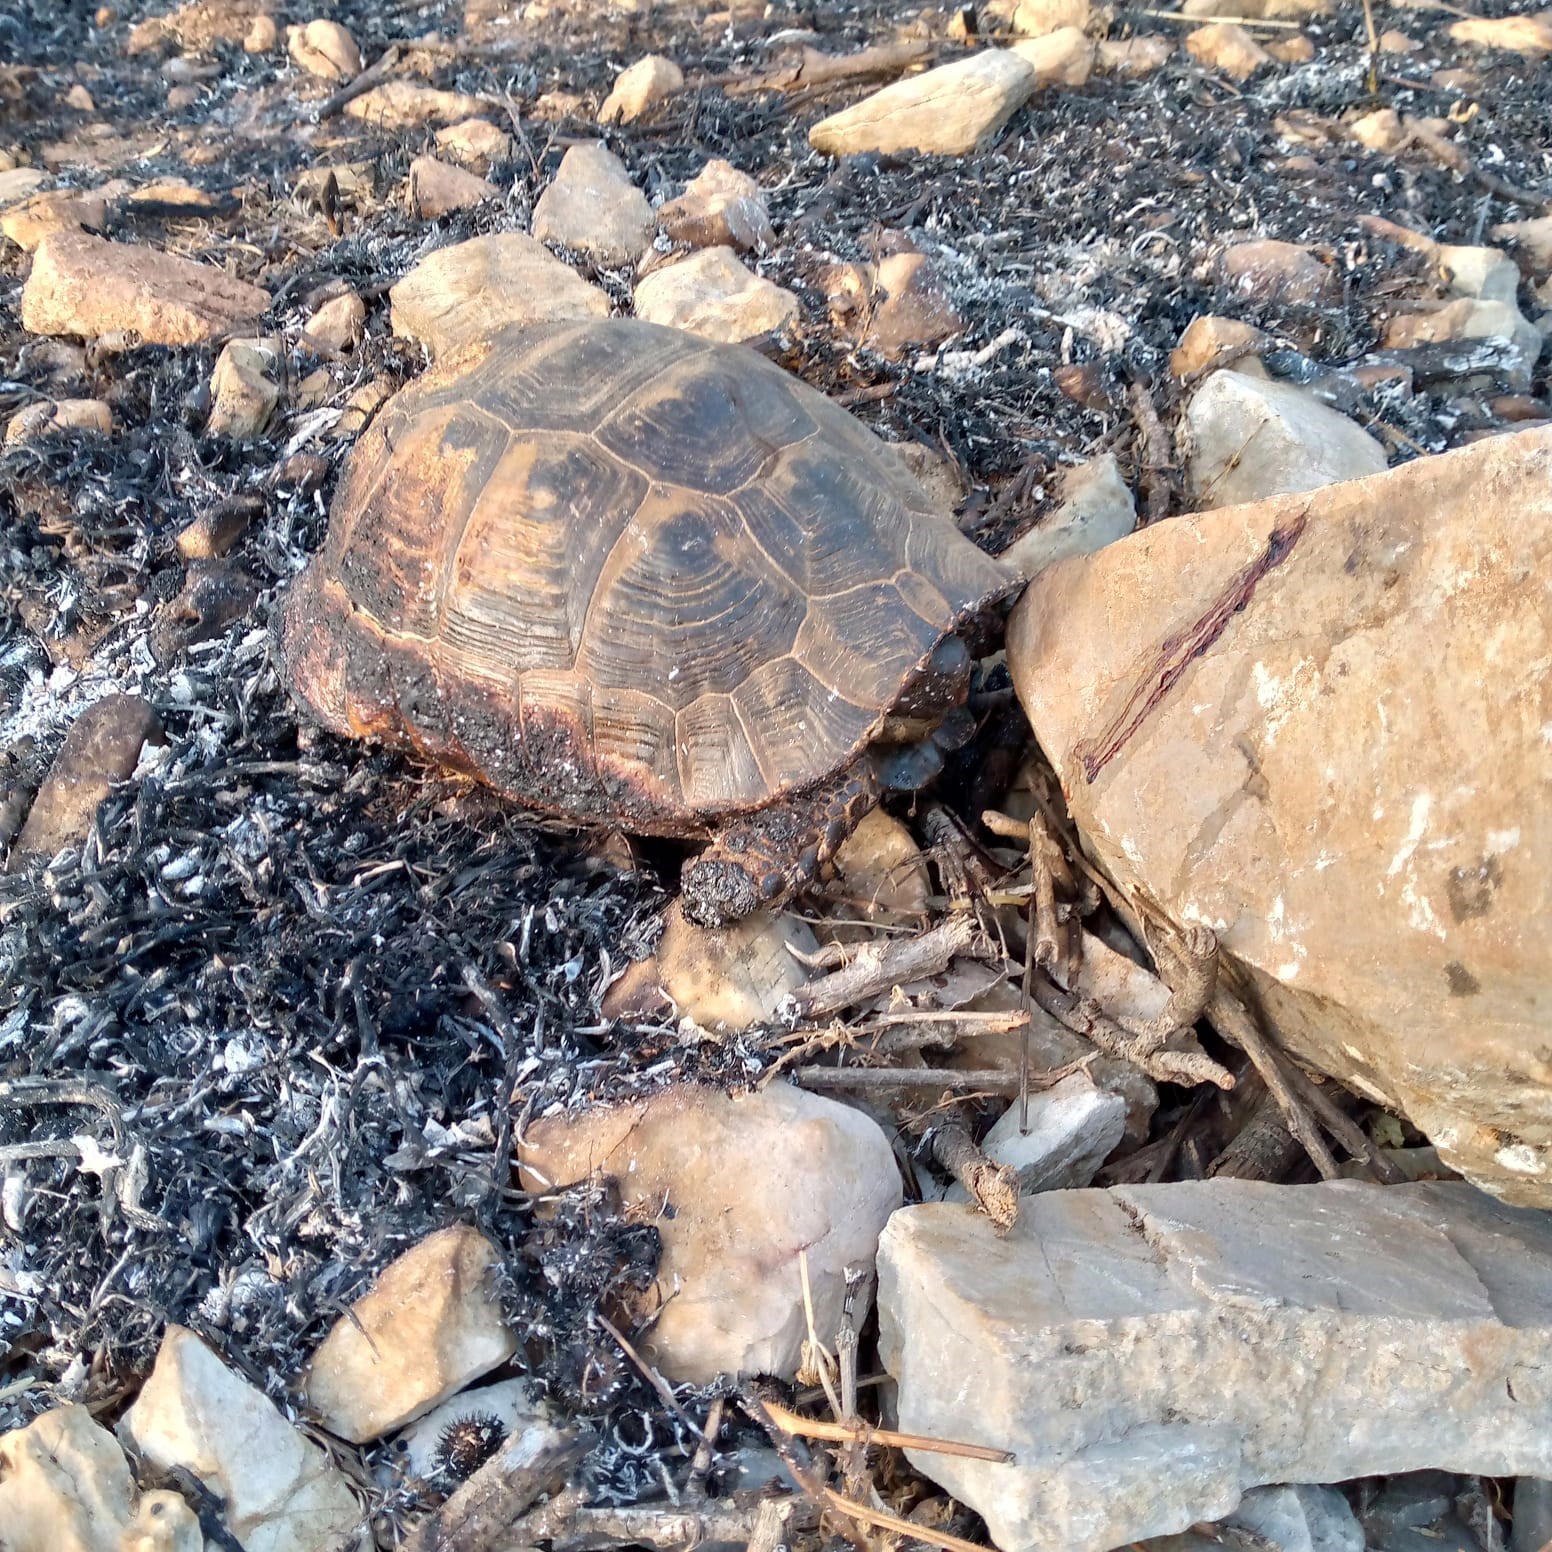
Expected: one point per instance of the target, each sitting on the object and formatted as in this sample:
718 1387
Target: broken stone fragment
28 223
404 104
1150 1353
52 415
1267 270
279 1490
1133 56
712 294
88 286
881 873
435 189
466 292
245 387
475 142
1096 509
949 111
430 1324
1250 438
720 207
648 81
65 1486
1296 49
1532 238
324 48
594 208
102 748
339 323
739 1187
1226 46
1061 58
1210 342
723 978
1376 882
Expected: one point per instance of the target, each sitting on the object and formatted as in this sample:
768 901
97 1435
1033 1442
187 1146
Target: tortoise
631 577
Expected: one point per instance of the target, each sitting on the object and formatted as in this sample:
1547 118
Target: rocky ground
1142 1138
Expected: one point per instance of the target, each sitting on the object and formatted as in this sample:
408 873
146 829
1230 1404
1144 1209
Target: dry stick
1155 445
879 966
816 69
1048 948
882 1521
1201 21
705 1453
481 1513
1237 1024
647 1372
977 1080
362 84
565 1522
796 1424
1342 1126
992 1187
1187 963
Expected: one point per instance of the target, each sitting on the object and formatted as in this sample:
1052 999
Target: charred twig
813 68
705 1453
976 1080
372 76
877 967
963 868
481 1514
992 1187
567 1524
798 1426
1263 1149
1156 459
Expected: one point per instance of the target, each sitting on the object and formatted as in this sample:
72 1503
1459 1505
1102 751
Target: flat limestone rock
405 104
593 207
750 1183
1332 690
280 1491
1152 1352
66 1486
949 111
465 292
88 286
430 1325
713 294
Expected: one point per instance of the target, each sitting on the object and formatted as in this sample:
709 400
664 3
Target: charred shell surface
627 576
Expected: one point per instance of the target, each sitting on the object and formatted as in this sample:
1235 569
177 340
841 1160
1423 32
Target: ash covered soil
280 1014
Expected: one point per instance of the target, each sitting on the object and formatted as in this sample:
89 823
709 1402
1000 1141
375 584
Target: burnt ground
296 992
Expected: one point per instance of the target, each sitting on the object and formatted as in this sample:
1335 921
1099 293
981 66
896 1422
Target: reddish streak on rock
1183 648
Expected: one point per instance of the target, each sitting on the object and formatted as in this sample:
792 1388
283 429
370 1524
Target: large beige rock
1532 237
324 48
1249 438
1149 1353
1040 18
245 387
1313 725
712 294
949 111
65 1486
739 1189
430 1325
594 208
86 285
1061 58
280 1491
1226 46
463 293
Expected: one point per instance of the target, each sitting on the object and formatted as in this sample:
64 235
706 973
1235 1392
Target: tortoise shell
625 574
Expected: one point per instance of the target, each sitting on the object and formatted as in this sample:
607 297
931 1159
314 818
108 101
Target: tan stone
1037 18
278 1490
1227 47
1248 438
739 1188
1532 238
431 1324
723 979
19 183
65 1486
648 81
175 194
1259 10
29 223
1470 318
51 415
339 323
1531 35
245 387
1296 49
880 872
197 25
712 294
1267 270
324 48
475 142
101 749
1394 42
1061 58
404 104
949 111
1380 130
1355 760
435 189
465 292
1096 509
262 35
1210 342
1133 56
720 207
86 285
79 98
594 208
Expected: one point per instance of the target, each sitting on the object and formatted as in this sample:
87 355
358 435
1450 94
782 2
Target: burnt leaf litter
281 1014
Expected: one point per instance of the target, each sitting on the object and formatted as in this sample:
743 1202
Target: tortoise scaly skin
627 576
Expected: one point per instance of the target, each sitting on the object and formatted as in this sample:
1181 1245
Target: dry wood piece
798 1426
374 73
970 1080
813 68
876 967
566 1524
1187 961
992 1187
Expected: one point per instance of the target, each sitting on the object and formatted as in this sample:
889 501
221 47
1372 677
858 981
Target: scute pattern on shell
624 574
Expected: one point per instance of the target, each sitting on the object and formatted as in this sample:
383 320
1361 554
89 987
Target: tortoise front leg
762 858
